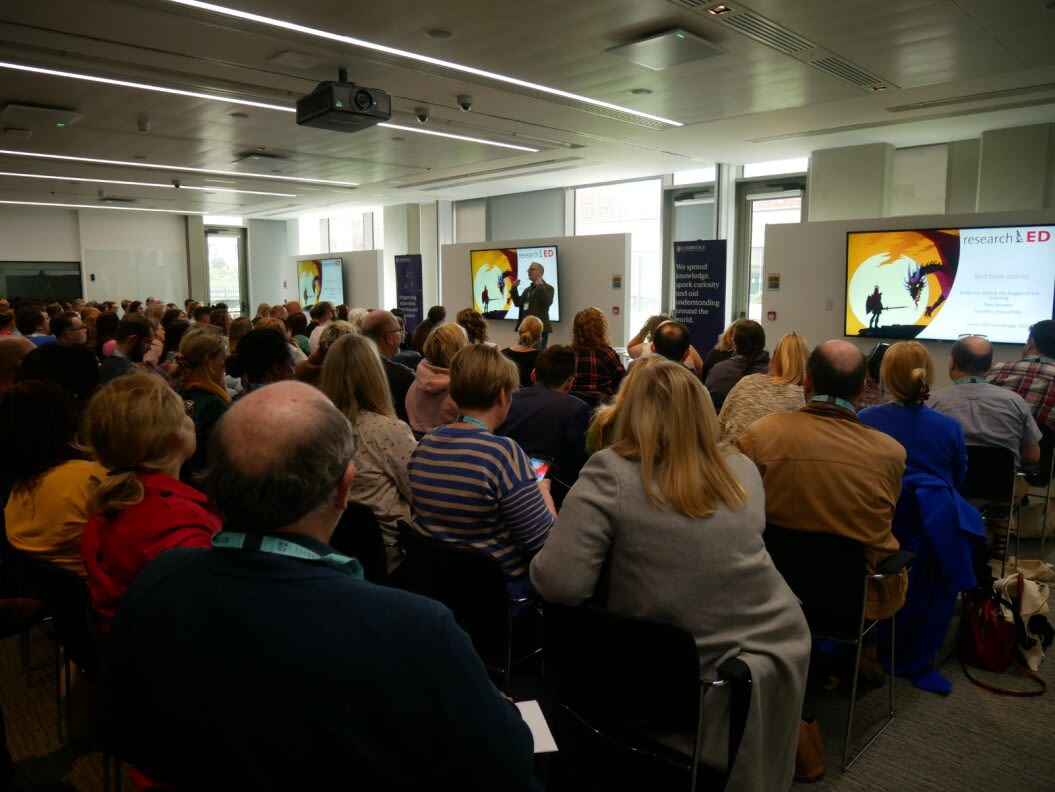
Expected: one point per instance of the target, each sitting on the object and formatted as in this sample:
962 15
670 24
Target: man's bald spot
267 424
976 345
379 322
842 356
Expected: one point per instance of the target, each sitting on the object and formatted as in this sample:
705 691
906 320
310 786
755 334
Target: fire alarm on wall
615 310
772 315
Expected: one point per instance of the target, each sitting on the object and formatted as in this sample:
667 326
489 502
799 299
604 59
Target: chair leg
1044 525
893 629
697 745
853 684
58 691
106 772
26 646
67 667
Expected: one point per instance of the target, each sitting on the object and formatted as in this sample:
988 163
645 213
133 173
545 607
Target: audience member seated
548 422
33 323
758 395
204 353
473 487
932 520
298 329
428 401
672 347
271 323
281 312
49 480
137 427
406 355
7 322
68 326
220 317
602 424
474 324
360 678
436 316
106 334
598 368
13 350
1033 377
201 314
722 350
310 370
73 366
677 522
321 315
525 353
386 331
354 380
750 357
874 394
826 472
134 336
989 414
170 317
263 358
173 338
263 310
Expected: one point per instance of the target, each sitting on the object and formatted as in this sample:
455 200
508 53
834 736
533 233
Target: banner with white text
699 290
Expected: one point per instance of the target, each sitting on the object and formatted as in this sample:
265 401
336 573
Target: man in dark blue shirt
266 663
547 421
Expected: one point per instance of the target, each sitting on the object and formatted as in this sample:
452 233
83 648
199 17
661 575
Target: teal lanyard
968 380
230 540
834 400
474 421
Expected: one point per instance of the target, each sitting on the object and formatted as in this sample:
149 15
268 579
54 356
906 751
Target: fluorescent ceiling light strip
142 184
182 168
91 206
355 42
436 133
143 86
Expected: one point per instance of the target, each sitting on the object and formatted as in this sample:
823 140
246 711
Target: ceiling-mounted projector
343 106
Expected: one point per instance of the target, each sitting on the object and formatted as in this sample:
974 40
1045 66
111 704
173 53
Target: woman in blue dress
932 520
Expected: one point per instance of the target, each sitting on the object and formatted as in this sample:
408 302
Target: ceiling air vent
765 31
844 70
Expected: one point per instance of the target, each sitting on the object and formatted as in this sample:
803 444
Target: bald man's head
972 355
275 456
836 368
12 350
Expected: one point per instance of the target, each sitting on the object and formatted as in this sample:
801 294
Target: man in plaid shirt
1033 377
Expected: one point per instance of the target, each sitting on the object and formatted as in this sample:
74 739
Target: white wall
587 264
39 234
363 276
265 261
134 255
811 259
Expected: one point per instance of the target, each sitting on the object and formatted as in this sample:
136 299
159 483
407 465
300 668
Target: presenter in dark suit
535 301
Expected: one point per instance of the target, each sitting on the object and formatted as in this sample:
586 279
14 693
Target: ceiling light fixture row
95 206
174 185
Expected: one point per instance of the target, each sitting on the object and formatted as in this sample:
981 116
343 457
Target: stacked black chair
829 575
990 486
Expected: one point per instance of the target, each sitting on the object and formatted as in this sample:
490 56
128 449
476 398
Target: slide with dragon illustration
939 284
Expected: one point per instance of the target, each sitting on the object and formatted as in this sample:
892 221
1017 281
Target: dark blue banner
699 290
408 289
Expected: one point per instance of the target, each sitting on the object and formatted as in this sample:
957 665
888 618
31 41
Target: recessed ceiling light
141 86
439 34
878 87
719 10
182 168
453 136
97 206
168 186
356 42
641 91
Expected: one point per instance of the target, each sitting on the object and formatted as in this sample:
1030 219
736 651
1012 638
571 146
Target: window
776 167
346 232
634 208
309 237
764 212
697 176
223 220
920 180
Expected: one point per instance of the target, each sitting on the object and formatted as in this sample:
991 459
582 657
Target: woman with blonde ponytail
931 518
138 428
525 353
202 356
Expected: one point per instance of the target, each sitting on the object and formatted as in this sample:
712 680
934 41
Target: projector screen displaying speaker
938 284
493 273
320 280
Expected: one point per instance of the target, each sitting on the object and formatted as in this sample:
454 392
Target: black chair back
826 573
359 535
614 669
593 399
1046 468
469 582
990 474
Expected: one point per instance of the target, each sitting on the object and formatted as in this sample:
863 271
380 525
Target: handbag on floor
988 640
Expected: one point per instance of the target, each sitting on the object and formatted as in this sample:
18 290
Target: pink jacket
428 401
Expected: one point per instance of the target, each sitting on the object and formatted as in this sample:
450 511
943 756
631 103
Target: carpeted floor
972 740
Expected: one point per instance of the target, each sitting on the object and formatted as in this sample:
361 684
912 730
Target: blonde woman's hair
530 331
273 323
129 427
201 343
788 363
667 424
589 329
334 330
354 379
236 332
604 418
725 340
443 344
907 372
478 374
263 310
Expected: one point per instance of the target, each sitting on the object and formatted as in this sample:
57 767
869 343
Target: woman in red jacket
138 428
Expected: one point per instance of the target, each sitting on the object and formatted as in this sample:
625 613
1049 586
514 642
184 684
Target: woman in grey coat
680 519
